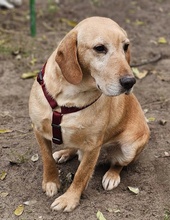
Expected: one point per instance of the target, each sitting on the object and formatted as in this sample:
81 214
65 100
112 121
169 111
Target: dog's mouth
111 90
98 87
127 92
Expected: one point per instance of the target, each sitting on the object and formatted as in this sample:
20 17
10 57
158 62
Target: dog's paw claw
50 188
65 203
110 180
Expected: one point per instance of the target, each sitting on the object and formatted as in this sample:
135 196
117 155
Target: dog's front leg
70 199
50 183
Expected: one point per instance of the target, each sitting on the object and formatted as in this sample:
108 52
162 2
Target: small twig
47 26
7 31
154 60
158 102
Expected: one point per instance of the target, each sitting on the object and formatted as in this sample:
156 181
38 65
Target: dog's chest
77 129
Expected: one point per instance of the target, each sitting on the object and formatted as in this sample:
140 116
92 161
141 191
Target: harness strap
56 128
57 116
40 80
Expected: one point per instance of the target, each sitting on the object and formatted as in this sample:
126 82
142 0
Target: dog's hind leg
121 155
50 183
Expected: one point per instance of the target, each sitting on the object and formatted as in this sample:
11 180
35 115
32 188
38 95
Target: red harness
57 116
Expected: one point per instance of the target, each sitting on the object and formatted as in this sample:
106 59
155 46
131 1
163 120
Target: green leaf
167 215
100 216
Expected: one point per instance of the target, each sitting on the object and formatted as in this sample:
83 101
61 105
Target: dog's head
98 48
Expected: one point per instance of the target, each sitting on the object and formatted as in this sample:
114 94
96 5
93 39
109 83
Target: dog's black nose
127 82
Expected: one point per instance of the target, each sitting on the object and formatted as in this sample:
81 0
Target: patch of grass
5 50
167 214
96 3
52 7
17 158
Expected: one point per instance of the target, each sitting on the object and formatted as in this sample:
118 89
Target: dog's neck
67 94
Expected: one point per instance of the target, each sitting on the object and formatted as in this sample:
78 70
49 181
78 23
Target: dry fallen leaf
138 22
4 194
29 74
100 216
166 154
19 210
162 122
145 110
2 131
109 210
117 211
162 40
69 22
3 175
138 74
30 202
2 42
35 157
113 210
70 177
33 61
135 190
151 119
128 21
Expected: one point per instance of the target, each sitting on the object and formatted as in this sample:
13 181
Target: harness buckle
57 135
57 141
40 77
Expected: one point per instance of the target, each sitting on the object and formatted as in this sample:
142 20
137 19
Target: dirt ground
145 22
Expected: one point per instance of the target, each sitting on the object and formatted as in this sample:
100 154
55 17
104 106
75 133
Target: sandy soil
145 21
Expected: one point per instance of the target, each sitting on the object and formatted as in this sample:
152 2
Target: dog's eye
100 49
125 47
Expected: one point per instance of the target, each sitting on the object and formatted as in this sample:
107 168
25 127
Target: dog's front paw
110 180
64 155
66 203
50 188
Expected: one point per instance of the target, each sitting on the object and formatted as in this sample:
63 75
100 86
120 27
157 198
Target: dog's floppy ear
128 55
67 59
128 51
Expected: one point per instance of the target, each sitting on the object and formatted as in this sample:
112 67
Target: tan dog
90 70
